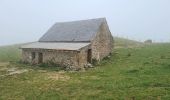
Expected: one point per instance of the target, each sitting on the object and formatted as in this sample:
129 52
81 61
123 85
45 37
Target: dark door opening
32 56
40 58
89 55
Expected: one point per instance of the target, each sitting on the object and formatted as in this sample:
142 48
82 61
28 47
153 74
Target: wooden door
40 58
89 55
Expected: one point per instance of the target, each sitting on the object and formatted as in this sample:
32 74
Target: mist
26 21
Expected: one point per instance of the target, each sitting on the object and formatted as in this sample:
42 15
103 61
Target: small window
33 55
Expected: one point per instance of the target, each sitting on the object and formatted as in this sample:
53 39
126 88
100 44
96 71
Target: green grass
142 73
10 53
122 42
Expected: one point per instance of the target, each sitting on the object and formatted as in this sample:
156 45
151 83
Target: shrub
94 62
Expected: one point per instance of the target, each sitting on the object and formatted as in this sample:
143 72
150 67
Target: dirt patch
13 70
3 66
17 71
58 76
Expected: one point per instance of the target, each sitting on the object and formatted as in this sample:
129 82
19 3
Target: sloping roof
77 31
55 45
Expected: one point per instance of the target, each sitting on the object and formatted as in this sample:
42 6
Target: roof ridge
102 18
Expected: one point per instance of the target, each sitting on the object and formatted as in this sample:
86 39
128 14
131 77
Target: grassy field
122 42
10 53
139 73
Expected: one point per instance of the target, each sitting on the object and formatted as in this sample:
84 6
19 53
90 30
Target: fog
27 20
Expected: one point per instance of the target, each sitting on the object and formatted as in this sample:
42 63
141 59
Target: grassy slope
143 73
10 53
122 42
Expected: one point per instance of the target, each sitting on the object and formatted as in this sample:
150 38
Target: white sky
27 20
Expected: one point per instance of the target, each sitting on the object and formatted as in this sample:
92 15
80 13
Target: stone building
74 44
149 41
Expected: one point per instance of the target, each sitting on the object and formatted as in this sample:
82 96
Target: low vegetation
10 53
124 43
131 73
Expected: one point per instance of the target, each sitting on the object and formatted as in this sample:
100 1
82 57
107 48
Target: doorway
40 58
89 55
32 56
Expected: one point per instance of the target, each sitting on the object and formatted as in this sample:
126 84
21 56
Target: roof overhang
55 46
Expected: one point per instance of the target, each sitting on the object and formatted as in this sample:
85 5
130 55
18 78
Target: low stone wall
72 59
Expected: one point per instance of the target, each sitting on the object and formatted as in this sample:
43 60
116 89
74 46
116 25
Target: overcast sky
27 20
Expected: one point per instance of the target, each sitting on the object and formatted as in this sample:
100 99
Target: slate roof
55 45
75 31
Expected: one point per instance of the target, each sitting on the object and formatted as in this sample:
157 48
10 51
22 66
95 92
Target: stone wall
82 56
102 45
75 59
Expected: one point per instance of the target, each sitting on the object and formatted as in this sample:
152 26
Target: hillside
10 53
122 42
140 73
